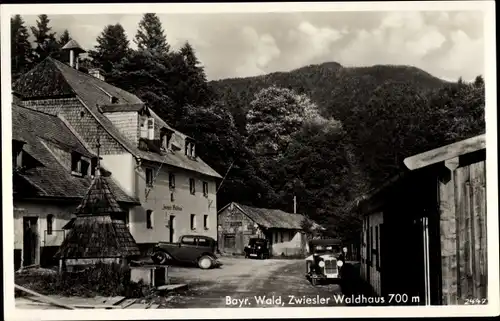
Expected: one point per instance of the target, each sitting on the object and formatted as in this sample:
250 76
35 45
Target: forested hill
336 89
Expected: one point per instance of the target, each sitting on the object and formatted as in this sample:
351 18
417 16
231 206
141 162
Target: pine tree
46 43
21 51
65 38
151 35
112 47
187 52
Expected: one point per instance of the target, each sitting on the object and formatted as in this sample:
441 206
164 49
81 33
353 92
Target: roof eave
444 153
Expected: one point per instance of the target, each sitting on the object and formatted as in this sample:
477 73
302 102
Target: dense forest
324 133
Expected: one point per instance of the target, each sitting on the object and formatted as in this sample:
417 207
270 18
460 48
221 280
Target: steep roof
72 44
99 199
50 178
52 78
272 218
98 236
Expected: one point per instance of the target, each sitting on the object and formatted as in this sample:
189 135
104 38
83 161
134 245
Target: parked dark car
194 249
325 262
258 248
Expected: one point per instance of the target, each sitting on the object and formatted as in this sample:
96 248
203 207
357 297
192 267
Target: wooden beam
44 297
446 152
452 164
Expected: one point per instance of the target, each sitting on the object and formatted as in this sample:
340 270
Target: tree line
278 142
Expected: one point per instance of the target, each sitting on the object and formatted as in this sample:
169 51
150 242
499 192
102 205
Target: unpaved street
250 283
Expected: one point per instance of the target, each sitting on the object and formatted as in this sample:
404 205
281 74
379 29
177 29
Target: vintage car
325 262
258 248
196 249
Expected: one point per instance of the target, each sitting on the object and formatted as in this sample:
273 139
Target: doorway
171 227
30 241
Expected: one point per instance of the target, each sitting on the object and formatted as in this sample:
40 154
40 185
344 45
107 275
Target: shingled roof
52 78
98 236
273 218
99 199
51 179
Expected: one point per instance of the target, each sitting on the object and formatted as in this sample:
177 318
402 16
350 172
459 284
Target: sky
447 45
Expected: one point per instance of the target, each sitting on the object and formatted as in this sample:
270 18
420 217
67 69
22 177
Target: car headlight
321 264
340 263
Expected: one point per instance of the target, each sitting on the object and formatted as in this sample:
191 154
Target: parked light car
258 248
325 262
194 249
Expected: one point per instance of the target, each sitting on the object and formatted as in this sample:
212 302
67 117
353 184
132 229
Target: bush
99 279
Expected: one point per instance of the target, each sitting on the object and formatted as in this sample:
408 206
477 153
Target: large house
237 223
149 160
52 171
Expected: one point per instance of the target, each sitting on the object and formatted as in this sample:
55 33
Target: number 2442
476 301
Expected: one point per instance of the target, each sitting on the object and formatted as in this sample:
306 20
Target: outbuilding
237 223
424 231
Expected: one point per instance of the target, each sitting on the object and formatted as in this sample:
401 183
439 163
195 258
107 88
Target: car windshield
257 242
324 248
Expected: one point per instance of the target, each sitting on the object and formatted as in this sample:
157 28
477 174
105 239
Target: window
171 180
149 177
85 167
149 219
93 166
192 187
164 142
17 158
191 152
205 189
203 241
281 237
151 129
144 127
188 240
50 222
193 222
205 222
76 164
190 148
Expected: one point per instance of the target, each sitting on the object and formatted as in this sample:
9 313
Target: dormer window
147 128
190 148
17 159
80 166
17 154
165 138
151 128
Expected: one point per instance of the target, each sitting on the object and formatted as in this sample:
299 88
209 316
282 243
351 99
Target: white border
488 9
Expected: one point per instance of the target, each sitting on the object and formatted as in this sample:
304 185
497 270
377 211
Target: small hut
99 232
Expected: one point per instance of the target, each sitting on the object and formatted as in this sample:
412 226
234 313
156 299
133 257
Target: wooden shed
424 231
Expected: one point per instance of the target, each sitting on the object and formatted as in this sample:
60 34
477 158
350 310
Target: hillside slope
336 89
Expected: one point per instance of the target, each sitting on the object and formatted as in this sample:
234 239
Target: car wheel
314 281
205 262
159 257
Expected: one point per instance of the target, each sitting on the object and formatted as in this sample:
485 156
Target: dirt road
250 283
